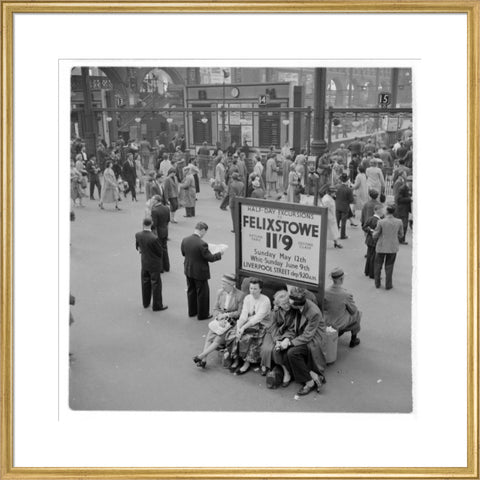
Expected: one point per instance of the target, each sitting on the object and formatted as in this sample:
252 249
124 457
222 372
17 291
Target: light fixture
204 120
169 120
109 119
286 121
138 119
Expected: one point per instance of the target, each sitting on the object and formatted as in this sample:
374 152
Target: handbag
219 327
274 377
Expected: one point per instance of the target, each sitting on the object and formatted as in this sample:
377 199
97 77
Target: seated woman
226 311
244 341
301 351
281 321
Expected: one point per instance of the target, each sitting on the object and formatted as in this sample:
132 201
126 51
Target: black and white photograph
241 238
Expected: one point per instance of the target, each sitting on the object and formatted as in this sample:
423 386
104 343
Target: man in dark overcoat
160 219
343 200
369 227
197 271
150 250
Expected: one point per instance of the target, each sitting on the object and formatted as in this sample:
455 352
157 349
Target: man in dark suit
369 227
196 268
369 208
343 200
129 174
388 234
152 266
161 218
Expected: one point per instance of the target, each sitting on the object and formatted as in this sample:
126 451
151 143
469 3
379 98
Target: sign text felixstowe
281 242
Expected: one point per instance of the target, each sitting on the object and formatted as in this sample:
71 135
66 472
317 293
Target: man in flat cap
341 313
197 271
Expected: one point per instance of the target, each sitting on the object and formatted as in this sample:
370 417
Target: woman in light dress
187 190
293 185
329 203
110 192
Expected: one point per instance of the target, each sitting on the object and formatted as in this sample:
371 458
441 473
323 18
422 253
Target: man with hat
302 348
236 188
369 207
170 187
197 271
160 218
341 313
151 252
343 200
226 311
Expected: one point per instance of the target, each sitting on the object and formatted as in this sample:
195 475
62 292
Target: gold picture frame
469 7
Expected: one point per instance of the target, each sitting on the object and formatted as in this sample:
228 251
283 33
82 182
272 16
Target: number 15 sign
281 241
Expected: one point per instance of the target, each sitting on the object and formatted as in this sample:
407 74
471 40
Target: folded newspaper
217 248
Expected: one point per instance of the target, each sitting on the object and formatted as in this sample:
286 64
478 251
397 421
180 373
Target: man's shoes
163 307
353 224
223 208
378 285
343 238
354 342
388 288
306 389
207 318
199 363
403 243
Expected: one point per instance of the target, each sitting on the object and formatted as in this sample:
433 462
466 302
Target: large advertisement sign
285 241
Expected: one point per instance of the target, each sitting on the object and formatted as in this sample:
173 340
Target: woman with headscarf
187 192
110 192
281 319
226 311
300 351
328 202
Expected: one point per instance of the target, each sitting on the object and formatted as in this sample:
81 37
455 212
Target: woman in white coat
329 203
360 189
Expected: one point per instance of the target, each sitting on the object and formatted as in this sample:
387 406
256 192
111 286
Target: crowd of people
284 334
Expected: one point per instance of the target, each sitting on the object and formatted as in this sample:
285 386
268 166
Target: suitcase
332 342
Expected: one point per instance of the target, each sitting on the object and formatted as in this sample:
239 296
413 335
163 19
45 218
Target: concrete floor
129 358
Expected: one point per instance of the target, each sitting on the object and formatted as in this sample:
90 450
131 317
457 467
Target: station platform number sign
262 99
384 99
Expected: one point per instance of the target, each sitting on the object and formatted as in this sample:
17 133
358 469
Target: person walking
170 188
271 175
369 227
197 271
343 199
388 234
235 189
187 195
94 177
110 192
130 176
149 247
328 202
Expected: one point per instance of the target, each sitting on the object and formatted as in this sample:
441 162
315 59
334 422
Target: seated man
244 341
301 351
341 313
226 311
